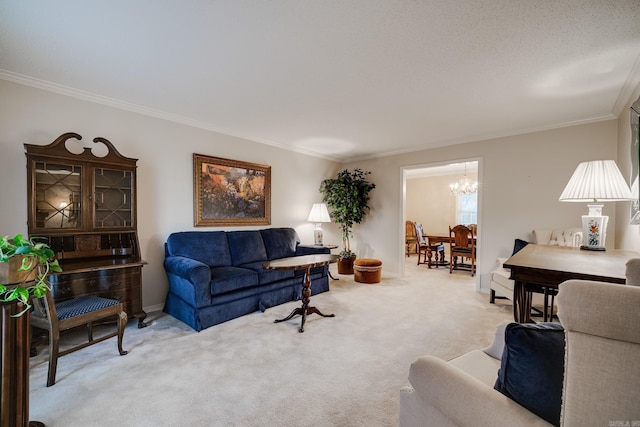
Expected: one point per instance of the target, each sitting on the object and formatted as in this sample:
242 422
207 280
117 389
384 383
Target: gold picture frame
230 192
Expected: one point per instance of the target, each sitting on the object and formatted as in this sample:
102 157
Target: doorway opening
427 198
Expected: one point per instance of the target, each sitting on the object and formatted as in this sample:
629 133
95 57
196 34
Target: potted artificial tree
24 265
348 197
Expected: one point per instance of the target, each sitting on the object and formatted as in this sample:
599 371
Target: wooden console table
538 266
304 262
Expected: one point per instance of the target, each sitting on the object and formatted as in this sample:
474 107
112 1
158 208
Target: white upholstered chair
601 375
502 287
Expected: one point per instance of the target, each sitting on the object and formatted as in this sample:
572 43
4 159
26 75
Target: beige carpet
342 371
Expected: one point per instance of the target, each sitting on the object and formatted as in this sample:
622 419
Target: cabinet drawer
64 286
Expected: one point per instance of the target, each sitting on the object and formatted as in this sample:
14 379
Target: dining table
436 239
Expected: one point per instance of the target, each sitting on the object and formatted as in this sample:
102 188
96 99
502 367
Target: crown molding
139 109
629 89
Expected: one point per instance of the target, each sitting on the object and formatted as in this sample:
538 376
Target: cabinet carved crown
75 191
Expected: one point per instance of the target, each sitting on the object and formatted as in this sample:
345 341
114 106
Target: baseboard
152 308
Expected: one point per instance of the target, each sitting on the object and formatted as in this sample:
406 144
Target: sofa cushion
267 276
228 279
280 242
479 365
532 368
246 247
208 247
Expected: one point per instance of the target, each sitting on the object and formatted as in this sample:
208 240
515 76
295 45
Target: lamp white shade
595 181
319 213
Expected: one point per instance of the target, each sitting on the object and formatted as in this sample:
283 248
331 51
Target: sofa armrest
463 399
311 250
187 268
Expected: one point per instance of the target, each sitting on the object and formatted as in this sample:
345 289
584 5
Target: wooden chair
462 244
426 251
72 313
410 238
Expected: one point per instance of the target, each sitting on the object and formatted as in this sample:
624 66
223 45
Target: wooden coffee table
304 262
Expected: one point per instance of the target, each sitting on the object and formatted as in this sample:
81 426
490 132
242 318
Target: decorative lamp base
594 229
317 236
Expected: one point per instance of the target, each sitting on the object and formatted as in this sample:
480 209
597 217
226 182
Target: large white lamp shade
595 182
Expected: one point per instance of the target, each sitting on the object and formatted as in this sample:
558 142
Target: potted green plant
26 261
348 197
24 266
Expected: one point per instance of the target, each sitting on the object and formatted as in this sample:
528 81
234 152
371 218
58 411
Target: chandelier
464 186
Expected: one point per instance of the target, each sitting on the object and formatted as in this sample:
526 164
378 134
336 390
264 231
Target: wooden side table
305 262
330 247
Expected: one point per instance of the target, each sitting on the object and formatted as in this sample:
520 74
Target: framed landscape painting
230 192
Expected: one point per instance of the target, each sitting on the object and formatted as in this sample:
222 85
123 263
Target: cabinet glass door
113 198
58 195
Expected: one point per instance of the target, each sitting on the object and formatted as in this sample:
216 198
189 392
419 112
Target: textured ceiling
343 79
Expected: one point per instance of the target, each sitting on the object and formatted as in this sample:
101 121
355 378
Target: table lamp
318 214
595 182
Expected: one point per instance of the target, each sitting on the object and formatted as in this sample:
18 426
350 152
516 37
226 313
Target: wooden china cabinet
83 204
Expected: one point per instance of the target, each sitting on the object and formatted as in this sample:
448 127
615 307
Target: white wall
520 177
165 169
430 203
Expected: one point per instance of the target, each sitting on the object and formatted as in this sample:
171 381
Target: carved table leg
305 310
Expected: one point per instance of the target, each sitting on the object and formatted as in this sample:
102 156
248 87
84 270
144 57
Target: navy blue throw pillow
519 244
532 368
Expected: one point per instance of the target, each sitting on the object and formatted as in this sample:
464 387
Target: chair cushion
81 305
532 368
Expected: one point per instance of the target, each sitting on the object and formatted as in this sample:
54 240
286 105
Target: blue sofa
215 276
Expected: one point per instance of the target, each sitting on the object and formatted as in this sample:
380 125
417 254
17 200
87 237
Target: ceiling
339 79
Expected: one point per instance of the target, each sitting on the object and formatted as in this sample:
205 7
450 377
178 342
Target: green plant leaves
37 256
348 197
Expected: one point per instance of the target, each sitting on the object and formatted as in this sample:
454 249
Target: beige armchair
601 377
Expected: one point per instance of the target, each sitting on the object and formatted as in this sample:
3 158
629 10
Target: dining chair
68 314
426 251
410 238
462 244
